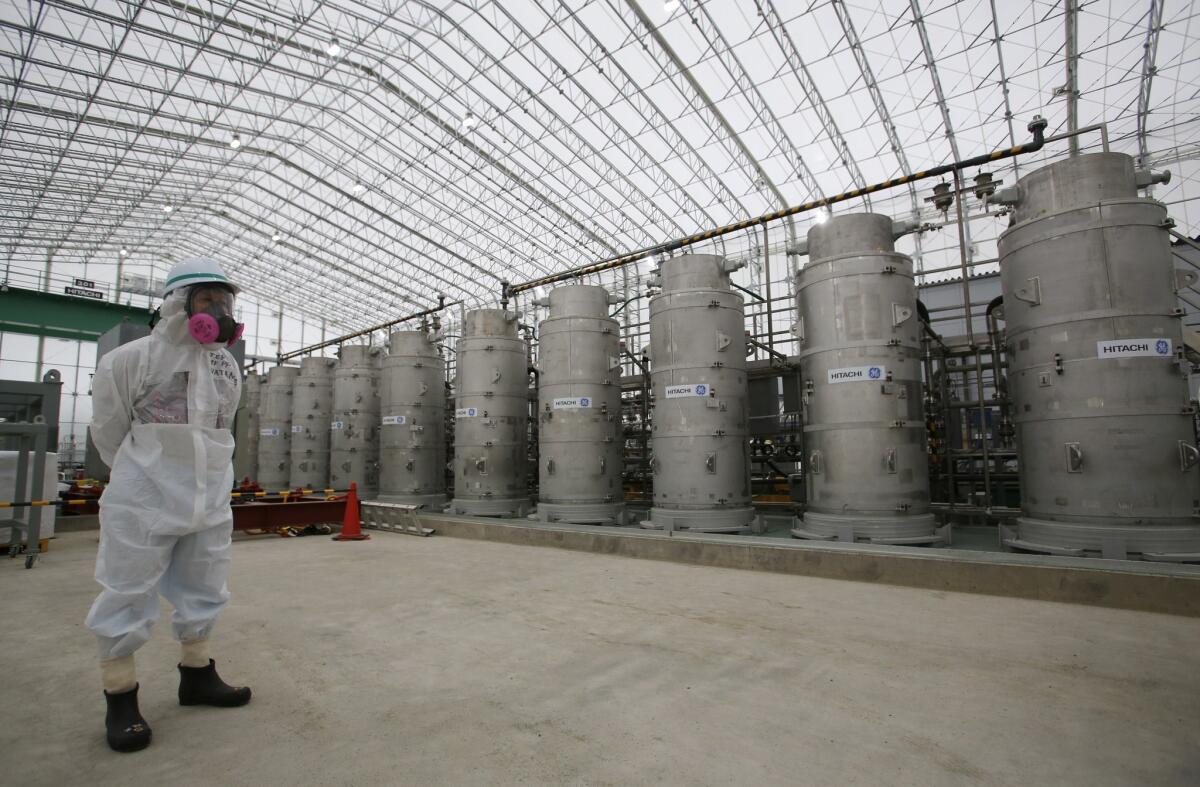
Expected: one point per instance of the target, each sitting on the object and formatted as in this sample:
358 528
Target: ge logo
470 412
1161 347
874 372
701 390
584 401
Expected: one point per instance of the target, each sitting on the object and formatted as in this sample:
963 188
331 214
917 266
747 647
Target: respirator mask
210 315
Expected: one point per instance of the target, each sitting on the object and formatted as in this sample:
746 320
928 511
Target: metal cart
29 425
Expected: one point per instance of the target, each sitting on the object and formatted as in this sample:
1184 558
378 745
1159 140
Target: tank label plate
466 412
681 391
297 429
395 420
572 403
337 426
856 374
1134 348
270 431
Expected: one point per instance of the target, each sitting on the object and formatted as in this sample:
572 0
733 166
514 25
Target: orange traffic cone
351 526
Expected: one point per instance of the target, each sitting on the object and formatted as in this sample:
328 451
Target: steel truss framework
379 153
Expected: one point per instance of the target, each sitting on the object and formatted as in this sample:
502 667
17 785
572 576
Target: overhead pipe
1037 127
341 339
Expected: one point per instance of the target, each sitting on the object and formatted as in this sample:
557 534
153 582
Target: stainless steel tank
354 429
699 434
491 473
312 411
579 409
412 445
246 455
1096 371
866 463
275 429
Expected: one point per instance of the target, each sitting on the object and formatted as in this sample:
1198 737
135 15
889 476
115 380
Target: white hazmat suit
163 409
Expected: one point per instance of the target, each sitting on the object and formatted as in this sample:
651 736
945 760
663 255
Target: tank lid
579 300
851 233
358 353
277 373
1076 182
490 322
696 272
317 365
408 342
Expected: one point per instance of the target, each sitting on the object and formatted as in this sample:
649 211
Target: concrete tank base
582 513
735 520
1173 543
917 529
511 507
428 502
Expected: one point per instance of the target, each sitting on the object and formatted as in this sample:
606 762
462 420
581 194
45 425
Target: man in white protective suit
163 410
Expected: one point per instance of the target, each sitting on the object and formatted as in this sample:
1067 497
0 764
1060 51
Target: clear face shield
210 314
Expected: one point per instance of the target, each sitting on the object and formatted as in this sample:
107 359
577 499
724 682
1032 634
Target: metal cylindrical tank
246 455
491 473
275 429
312 411
579 409
866 463
354 429
699 434
412 445
1096 370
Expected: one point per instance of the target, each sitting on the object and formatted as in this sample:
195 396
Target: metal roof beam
311 175
487 65
699 100
931 67
1004 86
748 89
1149 68
415 104
666 130
850 33
808 86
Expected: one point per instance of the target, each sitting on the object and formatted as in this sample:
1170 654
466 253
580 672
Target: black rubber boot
203 686
127 730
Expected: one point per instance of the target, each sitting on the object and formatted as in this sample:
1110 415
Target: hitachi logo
846 375
1136 347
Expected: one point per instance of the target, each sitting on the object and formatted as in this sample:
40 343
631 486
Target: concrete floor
447 661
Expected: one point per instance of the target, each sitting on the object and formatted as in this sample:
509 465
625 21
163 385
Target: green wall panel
62 316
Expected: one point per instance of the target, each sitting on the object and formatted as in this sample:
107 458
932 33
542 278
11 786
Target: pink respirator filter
205 329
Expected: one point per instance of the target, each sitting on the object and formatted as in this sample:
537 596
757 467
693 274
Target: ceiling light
470 121
124 252
334 49
167 208
276 237
821 217
357 187
236 142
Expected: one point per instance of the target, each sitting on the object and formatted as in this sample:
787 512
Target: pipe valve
1145 177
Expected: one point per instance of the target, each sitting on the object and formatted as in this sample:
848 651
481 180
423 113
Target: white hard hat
196 270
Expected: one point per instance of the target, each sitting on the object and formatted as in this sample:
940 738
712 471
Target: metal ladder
393 517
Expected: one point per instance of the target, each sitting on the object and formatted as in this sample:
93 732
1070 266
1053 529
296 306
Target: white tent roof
392 150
